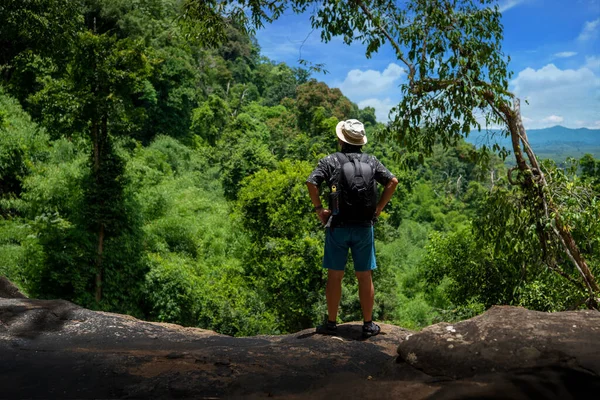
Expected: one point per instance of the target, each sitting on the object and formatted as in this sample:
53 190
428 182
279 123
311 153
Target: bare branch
558 270
588 284
509 176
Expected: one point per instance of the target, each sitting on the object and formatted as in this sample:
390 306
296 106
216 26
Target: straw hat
351 131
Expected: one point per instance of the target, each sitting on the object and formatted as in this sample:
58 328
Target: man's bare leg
366 293
333 293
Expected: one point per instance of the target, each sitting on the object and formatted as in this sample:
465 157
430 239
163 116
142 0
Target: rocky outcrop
55 349
511 353
504 338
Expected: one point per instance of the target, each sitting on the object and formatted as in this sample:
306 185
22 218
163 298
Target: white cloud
565 54
508 4
590 30
382 107
551 96
360 83
592 62
551 77
526 120
552 119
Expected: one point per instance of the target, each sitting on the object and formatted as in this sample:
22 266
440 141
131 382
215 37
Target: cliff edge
55 349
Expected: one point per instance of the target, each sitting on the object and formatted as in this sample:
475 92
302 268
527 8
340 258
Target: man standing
353 208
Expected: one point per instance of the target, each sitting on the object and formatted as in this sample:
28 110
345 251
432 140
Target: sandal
328 328
370 329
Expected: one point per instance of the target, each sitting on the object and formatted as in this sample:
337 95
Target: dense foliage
146 173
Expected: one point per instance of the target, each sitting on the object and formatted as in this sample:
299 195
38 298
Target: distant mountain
557 142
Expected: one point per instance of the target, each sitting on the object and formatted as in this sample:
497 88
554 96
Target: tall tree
105 80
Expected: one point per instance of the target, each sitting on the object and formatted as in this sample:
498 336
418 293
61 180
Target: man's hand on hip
377 212
323 215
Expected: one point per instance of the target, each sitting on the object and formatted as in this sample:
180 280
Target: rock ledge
55 349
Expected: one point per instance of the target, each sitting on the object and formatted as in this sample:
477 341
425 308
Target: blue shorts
358 239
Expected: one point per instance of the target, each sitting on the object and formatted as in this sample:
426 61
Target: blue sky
554 47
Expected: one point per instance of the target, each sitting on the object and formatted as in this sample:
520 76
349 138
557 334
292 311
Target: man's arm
313 192
389 190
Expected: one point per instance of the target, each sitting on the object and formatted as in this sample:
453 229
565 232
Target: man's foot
328 328
370 329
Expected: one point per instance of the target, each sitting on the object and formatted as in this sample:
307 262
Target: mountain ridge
556 142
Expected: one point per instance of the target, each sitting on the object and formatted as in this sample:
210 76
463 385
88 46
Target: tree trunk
99 263
99 137
96 155
535 184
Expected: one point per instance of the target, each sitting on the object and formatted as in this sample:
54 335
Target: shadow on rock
346 332
35 317
546 383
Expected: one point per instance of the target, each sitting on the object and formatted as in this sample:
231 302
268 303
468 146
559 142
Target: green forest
151 169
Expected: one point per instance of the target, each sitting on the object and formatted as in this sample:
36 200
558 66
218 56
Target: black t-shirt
328 165
326 172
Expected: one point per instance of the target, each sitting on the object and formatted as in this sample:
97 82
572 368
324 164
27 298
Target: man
350 230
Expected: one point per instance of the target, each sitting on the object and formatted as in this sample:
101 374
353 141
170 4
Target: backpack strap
358 167
342 159
364 158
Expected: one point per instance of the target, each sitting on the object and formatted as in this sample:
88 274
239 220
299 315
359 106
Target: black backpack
357 190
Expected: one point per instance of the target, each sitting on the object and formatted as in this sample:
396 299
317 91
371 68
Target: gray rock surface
55 349
505 338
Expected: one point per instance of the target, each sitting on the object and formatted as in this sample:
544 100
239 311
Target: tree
99 95
589 166
245 158
175 81
456 71
43 27
210 118
313 94
283 260
22 143
367 116
590 170
281 83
